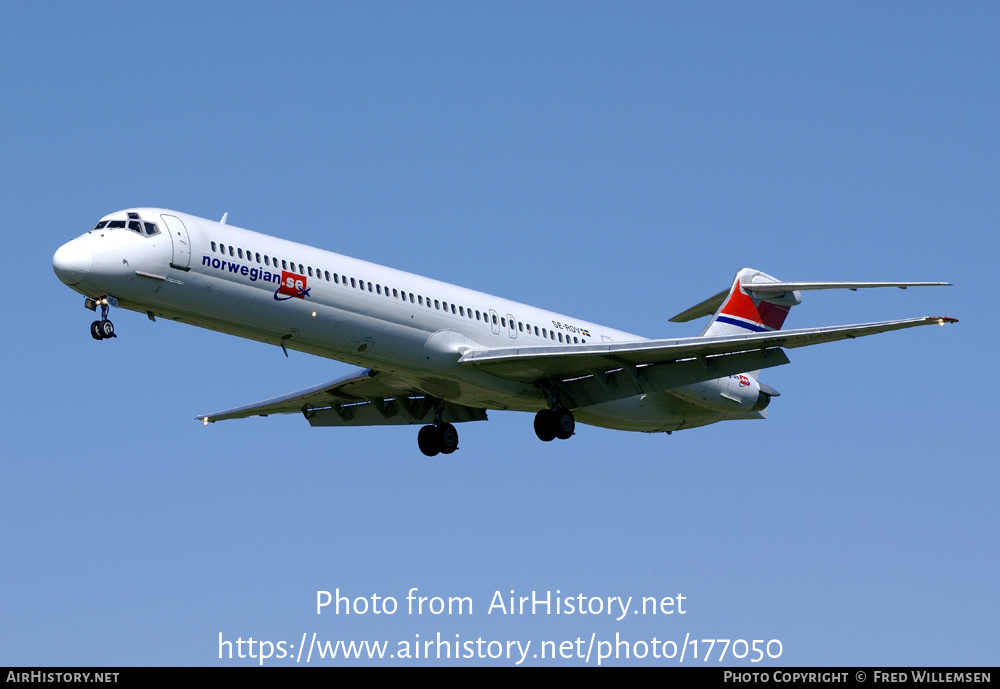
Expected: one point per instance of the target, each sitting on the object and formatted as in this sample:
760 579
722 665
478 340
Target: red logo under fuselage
292 285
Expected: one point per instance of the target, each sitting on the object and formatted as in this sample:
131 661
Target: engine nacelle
738 393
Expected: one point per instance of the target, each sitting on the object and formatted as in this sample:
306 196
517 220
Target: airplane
435 354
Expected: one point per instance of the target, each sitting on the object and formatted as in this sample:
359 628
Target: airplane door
511 328
181 243
494 322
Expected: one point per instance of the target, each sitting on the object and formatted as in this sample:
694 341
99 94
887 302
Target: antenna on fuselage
224 216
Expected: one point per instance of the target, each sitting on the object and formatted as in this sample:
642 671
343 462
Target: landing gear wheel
427 440
564 423
107 329
95 330
447 438
544 426
554 423
441 438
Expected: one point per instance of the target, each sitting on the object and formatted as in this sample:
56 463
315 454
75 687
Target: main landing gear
554 423
102 329
439 437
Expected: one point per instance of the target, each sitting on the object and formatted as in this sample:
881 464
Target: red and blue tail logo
741 312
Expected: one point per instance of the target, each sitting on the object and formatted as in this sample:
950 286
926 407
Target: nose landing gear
102 329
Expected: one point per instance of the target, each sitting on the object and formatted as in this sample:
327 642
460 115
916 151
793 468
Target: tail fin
743 310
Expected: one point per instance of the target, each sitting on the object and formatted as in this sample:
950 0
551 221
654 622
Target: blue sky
613 162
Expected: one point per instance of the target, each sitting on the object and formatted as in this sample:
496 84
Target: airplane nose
72 261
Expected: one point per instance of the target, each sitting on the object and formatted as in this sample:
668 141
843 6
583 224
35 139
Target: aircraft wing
362 398
595 373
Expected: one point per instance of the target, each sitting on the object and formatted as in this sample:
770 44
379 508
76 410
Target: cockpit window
135 224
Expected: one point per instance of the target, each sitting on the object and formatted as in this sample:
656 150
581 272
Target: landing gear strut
102 329
555 422
439 437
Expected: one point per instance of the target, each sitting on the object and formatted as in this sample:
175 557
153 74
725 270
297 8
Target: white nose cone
73 261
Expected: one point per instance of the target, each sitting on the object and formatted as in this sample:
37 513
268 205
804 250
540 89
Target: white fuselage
264 288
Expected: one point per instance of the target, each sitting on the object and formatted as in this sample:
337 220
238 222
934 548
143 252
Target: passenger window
369 287
231 251
378 288
520 326
257 256
494 319
327 273
310 271
560 337
240 252
503 322
352 282
213 247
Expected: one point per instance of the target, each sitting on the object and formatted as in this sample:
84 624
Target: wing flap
363 398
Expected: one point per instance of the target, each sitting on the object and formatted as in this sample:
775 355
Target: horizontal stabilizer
778 287
705 308
712 304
